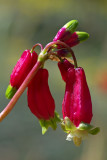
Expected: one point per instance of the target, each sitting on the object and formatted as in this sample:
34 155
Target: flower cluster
29 72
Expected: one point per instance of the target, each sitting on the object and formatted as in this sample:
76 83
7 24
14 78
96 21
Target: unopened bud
66 31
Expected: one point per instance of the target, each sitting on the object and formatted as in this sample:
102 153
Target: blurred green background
26 22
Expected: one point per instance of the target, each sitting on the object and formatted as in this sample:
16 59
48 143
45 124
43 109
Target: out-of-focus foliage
26 22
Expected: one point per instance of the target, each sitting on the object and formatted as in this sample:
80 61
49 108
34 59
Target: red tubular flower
41 102
20 71
77 105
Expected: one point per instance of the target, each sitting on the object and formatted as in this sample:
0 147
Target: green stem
19 92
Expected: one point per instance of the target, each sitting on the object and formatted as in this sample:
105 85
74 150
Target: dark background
26 22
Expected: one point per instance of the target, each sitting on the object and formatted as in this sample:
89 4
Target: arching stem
37 44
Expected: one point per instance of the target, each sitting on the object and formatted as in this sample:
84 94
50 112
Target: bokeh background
26 22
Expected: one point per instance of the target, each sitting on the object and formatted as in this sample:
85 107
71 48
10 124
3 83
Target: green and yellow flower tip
82 36
10 92
71 25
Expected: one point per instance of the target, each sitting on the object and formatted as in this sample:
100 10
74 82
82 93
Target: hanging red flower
41 102
20 71
77 105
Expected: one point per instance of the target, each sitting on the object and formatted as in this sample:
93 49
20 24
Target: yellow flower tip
77 141
44 130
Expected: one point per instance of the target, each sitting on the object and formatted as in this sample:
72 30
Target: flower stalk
37 44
